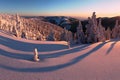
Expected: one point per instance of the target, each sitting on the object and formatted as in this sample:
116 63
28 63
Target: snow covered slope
99 61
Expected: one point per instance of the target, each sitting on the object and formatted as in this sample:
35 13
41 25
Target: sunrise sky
81 8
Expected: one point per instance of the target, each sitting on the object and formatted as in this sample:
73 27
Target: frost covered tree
80 34
118 36
18 25
24 35
115 30
108 34
51 36
100 31
64 36
67 36
15 31
0 22
70 37
91 31
94 30
36 57
40 37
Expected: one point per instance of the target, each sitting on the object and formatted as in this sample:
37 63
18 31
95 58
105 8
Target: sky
80 8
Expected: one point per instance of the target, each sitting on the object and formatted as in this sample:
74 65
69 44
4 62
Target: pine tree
51 36
101 31
80 34
108 34
115 30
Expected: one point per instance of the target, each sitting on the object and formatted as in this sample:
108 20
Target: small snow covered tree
36 57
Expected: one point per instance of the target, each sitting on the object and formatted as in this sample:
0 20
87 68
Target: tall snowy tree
19 25
115 30
80 34
100 31
51 36
91 29
118 36
94 30
70 37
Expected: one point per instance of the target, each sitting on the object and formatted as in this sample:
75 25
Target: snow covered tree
36 57
108 34
51 36
15 32
80 34
63 36
118 36
115 30
91 31
18 25
0 22
40 37
70 37
94 30
100 31
24 35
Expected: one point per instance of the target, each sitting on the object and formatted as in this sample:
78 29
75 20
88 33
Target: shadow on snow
56 67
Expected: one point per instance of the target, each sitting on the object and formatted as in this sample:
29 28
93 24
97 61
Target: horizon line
75 16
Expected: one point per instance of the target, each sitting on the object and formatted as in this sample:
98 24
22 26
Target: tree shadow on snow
112 46
16 55
24 46
56 67
28 56
62 53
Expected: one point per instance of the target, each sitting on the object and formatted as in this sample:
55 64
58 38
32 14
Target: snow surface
99 61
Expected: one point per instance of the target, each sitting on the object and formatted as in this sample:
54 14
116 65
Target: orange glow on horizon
82 15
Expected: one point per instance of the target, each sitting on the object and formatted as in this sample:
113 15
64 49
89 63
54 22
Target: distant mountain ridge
73 22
